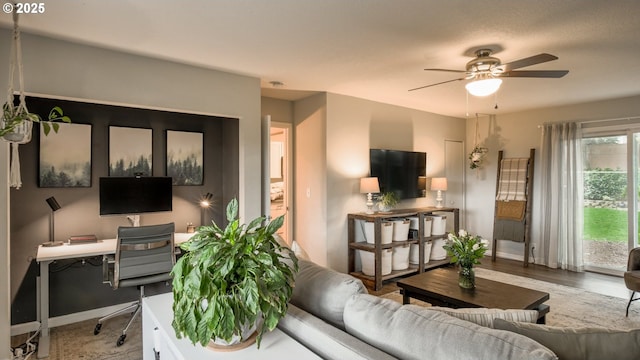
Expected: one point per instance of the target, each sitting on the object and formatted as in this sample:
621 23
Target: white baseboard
67 319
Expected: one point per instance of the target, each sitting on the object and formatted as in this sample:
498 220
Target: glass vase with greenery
465 250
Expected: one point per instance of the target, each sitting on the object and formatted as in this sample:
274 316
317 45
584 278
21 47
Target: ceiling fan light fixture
483 87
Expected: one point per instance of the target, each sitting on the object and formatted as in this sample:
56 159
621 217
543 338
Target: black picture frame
65 157
130 151
185 157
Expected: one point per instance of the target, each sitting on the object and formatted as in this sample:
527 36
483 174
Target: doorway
610 220
280 184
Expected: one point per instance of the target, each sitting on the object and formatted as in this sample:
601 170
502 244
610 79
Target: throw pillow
485 317
580 343
415 332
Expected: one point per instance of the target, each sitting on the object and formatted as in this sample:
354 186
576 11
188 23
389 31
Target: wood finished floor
589 281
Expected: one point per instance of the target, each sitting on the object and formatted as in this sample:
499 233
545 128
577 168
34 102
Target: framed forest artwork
130 151
185 157
65 157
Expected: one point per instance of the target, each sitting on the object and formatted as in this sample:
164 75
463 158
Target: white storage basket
365 232
414 254
401 230
438 225
427 225
437 250
400 257
367 259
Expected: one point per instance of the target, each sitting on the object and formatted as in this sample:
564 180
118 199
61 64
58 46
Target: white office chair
144 255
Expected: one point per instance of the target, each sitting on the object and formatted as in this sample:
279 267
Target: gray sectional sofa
333 315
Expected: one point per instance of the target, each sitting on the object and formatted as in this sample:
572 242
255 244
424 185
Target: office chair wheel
96 331
121 340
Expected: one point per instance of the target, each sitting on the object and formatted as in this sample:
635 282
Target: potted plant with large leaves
230 280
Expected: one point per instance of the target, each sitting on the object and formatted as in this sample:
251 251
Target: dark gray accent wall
76 284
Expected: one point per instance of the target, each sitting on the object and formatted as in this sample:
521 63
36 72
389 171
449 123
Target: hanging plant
476 157
16 122
14 116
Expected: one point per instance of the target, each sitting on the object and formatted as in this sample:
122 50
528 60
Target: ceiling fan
485 71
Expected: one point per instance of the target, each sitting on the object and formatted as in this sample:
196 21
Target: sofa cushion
326 340
324 292
580 343
412 332
485 317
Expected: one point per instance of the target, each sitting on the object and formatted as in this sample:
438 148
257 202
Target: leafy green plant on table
387 201
230 278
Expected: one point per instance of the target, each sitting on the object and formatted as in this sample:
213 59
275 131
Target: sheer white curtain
561 188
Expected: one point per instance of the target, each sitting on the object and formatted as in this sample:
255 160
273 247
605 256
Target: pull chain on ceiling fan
485 72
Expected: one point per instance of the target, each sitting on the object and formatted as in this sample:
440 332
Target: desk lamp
439 185
369 185
55 206
205 204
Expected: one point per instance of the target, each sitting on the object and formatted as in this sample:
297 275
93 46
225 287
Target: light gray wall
280 110
64 69
353 127
310 193
333 136
516 133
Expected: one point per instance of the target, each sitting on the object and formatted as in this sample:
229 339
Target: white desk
46 255
158 335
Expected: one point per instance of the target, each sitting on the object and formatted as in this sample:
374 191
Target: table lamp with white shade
439 185
369 186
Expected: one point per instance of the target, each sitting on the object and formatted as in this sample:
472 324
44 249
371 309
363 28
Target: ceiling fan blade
535 73
456 71
531 60
444 82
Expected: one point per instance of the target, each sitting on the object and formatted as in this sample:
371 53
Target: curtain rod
631 118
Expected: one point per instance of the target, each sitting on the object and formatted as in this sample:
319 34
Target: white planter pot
247 338
21 134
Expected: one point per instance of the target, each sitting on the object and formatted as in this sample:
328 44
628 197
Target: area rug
77 342
570 307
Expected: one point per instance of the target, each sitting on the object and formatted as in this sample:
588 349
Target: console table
160 343
46 255
377 247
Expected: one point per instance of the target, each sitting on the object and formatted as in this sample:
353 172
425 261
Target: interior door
280 164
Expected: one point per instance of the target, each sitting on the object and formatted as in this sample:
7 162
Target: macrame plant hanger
478 153
21 134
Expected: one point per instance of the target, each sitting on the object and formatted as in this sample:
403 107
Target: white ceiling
373 49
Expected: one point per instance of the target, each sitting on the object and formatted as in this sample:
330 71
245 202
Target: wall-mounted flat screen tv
135 195
401 172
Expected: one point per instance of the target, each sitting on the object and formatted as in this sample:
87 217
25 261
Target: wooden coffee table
440 287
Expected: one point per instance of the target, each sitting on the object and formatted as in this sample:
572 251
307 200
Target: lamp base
370 204
439 200
52 243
